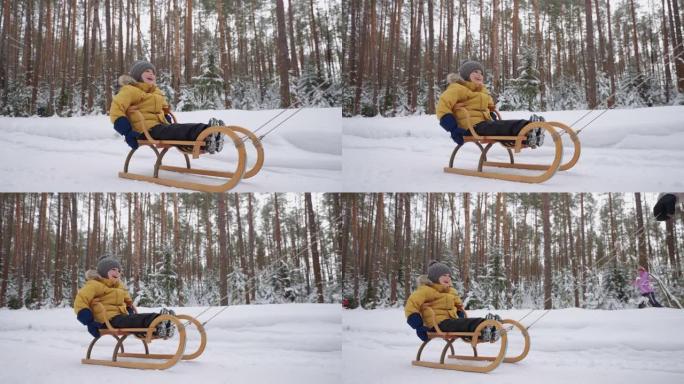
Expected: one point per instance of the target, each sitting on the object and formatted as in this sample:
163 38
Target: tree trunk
494 48
640 233
188 42
591 58
548 267
466 244
429 68
313 244
223 251
283 60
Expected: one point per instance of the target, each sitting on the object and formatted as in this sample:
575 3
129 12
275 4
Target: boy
436 289
469 91
139 89
105 285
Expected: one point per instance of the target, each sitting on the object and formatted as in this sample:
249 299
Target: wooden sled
237 134
472 338
145 335
515 144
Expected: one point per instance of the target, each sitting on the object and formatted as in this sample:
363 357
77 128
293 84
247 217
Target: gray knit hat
105 264
468 67
437 269
139 67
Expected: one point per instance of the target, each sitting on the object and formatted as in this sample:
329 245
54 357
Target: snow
623 150
567 346
286 343
84 154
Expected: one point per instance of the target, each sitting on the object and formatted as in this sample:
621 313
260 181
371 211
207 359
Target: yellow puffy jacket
443 301
112 295
473 97
149 99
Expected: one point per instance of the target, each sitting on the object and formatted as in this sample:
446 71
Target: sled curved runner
238 136
548 170
472 338
146 336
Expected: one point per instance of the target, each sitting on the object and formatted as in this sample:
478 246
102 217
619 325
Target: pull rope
247 281
604 101
296 111
609 256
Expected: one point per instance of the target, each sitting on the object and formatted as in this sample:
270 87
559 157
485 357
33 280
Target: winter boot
531 138
486 335
216 138
166 329
540 131
495 335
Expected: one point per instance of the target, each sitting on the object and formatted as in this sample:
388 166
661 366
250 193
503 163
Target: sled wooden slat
231 176
534 167
514 144
473 340
121 334
205 172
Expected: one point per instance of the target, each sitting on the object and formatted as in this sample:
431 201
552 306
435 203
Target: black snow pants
460 325
136 320
499 127
186 132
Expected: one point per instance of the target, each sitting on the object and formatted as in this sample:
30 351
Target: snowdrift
624 150
84 154
287 343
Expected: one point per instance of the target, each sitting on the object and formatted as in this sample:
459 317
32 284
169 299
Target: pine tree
527 83
208 87
617 287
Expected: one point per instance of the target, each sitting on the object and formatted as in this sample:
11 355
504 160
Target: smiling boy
139 89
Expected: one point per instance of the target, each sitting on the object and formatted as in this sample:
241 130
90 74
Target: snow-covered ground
82 154
567 346
287 343
623 150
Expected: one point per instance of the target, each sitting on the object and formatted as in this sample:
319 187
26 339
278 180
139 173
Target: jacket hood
92 274
126 80
423 280
453 78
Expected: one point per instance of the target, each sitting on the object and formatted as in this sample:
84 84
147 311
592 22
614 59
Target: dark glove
94 329
169 119
493 115
448 122
460 311
665 207
416 322
85 316
123 126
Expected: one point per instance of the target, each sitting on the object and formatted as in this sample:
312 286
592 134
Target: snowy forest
507 250
64 57
511 250
176 249
538 55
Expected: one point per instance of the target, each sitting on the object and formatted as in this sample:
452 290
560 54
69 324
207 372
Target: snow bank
288 343
623 150
85 154
567 346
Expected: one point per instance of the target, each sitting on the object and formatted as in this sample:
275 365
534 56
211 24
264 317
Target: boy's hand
94 329
123 126
85 316
416 322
